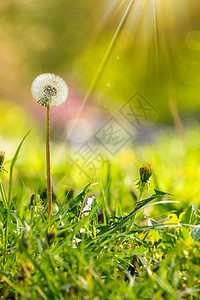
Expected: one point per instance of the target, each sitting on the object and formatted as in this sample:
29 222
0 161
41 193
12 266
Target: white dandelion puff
49 89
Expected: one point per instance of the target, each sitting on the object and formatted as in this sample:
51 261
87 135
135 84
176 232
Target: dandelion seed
49 90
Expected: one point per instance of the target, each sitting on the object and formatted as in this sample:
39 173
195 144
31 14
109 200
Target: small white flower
49 89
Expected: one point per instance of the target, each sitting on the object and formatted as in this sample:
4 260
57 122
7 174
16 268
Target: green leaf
157 194
3 194
195 233
185 234
160 193
189 216
78 199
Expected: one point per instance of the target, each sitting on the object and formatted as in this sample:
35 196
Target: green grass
99 254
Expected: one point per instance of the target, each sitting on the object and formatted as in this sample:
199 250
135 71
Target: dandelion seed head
49 89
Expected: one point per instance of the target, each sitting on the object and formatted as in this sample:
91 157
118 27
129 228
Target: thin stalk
142 189
48 164
139 214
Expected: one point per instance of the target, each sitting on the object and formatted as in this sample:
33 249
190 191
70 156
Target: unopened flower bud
2 157
146 171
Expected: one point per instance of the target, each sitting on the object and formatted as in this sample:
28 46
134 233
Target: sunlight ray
104 59
156 38
145 21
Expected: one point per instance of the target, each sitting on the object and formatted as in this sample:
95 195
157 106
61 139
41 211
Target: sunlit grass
121 231
119 246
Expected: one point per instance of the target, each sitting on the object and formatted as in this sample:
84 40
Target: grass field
101 241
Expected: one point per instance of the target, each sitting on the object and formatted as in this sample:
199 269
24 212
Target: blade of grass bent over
10 190
3 194
12 167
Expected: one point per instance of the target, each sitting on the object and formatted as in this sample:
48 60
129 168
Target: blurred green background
106 50
156 50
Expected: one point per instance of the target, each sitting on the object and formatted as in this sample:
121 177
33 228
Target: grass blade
12 167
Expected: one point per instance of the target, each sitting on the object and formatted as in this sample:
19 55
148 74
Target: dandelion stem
48 165
142 188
